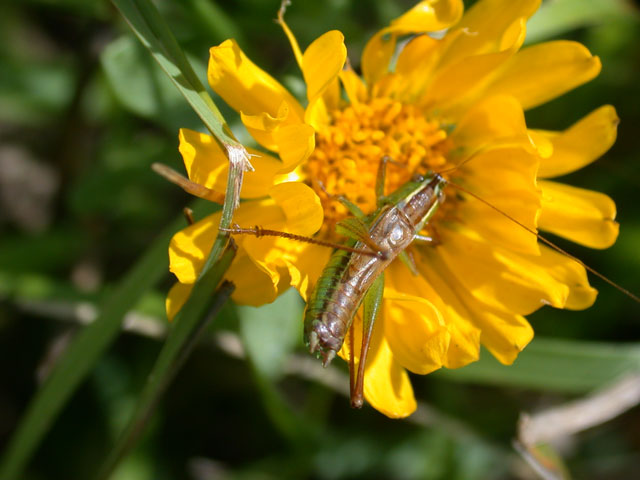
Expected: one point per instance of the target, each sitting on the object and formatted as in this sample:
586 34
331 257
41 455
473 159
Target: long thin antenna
461 164
263 232
550 243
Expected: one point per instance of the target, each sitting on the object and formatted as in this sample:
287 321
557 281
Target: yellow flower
430 102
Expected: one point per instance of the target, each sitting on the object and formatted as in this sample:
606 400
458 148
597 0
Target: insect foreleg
372 306
381 177
410 263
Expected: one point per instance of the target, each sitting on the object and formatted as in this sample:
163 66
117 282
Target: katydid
354 274
350 278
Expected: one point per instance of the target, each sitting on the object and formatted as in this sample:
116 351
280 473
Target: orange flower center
349 151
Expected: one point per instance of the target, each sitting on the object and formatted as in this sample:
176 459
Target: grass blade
85 350
149 26
555 365
190 322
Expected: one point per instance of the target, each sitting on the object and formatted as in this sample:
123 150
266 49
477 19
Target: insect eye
396 236
417 178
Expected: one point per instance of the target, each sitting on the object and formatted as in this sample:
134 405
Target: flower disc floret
349 151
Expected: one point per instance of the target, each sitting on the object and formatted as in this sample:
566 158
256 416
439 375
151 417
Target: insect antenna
461 164
550 243
264 232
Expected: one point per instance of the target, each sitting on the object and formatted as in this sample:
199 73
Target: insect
355 271
354 275
351 278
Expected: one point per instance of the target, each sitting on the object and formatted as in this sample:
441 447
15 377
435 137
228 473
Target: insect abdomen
330 308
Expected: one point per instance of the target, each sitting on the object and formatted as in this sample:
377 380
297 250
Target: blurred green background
84 111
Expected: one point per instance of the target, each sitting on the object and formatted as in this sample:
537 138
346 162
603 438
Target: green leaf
554 365
33 92
142 87
561 16
189 324
85 350
271 333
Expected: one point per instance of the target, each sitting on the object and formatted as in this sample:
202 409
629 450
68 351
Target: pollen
350 149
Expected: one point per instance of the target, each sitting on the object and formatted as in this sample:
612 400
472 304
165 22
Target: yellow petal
429 16
208 165
322 61
495 121
354 86
567 271
302 263
564 279
457 84
258 268
543 145
426 16
506 178
306 266
176 298
190 247
262 125
505 334
317 115
293 207
464 346
580 144
386 384
414 328
246 87
297 53
414 66
295 144
252 285
301 207
542 72
301 213
499 278
484 26
332 95
376 56
582 216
